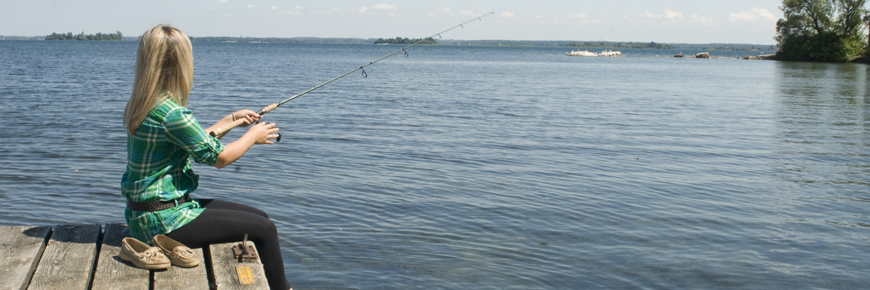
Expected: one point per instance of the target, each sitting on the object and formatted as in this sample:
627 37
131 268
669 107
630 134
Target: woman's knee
269 227
266 231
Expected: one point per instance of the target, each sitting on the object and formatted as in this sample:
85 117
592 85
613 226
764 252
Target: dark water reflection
820 210
822 119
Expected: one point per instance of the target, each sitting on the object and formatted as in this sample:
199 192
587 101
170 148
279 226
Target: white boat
581 53
610 53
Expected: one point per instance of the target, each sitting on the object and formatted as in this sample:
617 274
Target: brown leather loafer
142 255
179 254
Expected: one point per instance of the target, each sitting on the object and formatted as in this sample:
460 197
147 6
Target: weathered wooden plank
21 247
68 258
112 272
183 278
224 265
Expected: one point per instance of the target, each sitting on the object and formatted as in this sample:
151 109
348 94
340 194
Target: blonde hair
164 66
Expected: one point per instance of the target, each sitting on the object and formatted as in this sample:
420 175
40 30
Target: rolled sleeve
183 130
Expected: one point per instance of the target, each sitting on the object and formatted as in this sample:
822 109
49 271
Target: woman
163 135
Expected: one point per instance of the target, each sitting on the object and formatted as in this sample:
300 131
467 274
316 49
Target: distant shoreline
370 41
529 43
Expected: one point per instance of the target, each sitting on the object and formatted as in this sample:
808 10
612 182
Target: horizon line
366 38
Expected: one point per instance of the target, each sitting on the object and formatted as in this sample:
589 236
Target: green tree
400 40
849 24
867 20
82 36
820 30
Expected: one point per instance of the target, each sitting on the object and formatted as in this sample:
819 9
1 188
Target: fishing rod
269 108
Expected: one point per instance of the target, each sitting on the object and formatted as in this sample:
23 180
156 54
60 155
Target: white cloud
506 14
579 15
273 8
290 12
223 1
674 17
249 6
444 11
703 20
753 15
384 7
670 15
327 11
299 8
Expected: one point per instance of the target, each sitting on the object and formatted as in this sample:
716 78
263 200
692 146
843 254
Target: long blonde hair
164 66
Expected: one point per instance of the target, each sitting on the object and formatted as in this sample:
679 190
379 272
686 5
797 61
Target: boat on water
610 53
581 53
679 55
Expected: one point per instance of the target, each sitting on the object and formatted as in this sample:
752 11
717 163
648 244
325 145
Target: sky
666 21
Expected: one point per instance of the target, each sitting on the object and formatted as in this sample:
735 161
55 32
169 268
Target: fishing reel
279 134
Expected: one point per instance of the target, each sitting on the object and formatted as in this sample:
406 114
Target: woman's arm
226 122
257 134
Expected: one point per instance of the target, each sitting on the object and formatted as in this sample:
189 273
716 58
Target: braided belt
157 205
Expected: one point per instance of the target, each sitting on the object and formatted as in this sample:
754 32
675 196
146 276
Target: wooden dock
86 257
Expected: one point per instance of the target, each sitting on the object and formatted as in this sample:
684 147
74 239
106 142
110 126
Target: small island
82 37
399 40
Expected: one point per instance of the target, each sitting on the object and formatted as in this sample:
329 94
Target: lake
465 167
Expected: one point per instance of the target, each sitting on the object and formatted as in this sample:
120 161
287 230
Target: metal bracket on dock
244 251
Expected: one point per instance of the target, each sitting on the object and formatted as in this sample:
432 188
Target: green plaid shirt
158 168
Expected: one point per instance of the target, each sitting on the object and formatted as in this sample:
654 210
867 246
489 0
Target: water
484 167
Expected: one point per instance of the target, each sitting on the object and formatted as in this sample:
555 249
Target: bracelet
234 116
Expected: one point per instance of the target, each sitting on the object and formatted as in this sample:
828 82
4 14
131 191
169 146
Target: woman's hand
258 134
262 133
249 116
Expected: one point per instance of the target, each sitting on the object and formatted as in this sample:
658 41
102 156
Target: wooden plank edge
62 236
183 278
37 258
100 237
209 270
105 275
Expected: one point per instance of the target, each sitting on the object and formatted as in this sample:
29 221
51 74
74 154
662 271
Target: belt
157 205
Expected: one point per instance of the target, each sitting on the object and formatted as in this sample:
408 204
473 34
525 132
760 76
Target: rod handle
267 109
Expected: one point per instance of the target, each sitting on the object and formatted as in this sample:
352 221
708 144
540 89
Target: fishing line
269 108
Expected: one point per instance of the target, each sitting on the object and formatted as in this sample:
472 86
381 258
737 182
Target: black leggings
225 222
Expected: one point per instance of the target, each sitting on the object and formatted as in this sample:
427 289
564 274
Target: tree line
400 40
98 37
307 40
751 48
822 30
